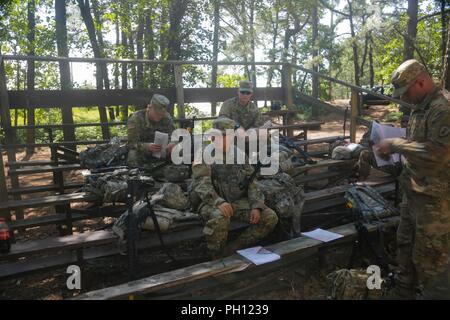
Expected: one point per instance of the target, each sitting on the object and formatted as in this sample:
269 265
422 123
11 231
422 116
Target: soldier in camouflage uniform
241 109
424 232
142 126
222 199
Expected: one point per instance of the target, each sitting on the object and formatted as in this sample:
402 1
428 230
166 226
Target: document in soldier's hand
380 132
162 139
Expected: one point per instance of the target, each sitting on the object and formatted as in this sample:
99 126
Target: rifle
243 185
290 143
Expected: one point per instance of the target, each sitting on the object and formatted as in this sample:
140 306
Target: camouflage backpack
111 187
351 284
105 155
286 199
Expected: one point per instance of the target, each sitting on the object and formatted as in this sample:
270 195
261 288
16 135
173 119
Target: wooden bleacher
56 251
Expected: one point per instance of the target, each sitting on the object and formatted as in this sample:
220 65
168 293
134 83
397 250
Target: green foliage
226 80
393 116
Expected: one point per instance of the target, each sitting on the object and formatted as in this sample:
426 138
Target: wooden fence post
178 70
288 93
3 188
354 104
9 133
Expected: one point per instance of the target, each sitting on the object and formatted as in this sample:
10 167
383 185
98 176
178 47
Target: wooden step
43 169
47 201
16 164
296 249
35 189
45 220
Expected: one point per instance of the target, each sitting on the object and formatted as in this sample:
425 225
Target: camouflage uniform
218 183
141 132
423 235
247 116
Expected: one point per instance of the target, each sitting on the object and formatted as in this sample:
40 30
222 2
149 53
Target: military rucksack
351 284
105 155
286 199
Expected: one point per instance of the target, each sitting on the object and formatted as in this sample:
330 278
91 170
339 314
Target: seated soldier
142 126
224 192
241 109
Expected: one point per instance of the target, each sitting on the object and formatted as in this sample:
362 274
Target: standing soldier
224 193
241 109
423 235
142 126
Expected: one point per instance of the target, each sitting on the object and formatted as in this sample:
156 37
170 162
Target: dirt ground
109 271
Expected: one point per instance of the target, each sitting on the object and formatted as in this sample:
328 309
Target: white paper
380 132
322 235
259 255
162 139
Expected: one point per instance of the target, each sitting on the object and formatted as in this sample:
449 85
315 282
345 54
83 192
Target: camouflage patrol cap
224 123
246 86
159 102
405 75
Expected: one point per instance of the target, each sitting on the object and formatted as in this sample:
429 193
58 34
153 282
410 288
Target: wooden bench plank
43 169
16 164
230 264
47 201
45 220
54 244
299 126
92 249
35 189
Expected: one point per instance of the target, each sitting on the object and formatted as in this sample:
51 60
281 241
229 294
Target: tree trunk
330 58
413 11
272 53
64 67
89 22
132 56
315 56
31 133
443 31
446 72
149 38
252 42
163 43
371 69
116 65
215 51
177 11
101 70
354 44
124 73
140 51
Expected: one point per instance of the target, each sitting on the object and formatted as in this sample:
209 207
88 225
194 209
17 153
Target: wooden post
288 94
180 91
104 119
9 133
3 188
287 85
69 131
354 104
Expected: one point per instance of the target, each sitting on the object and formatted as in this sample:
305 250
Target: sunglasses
245 93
